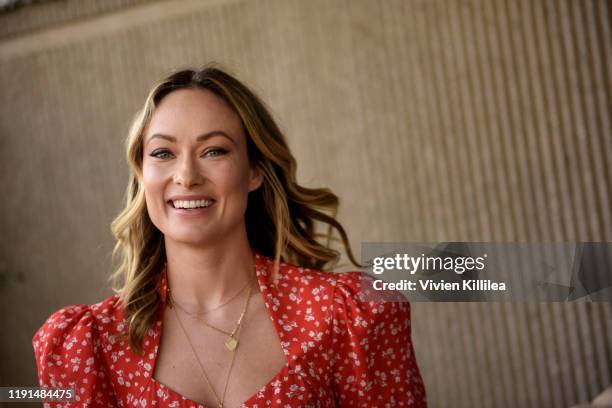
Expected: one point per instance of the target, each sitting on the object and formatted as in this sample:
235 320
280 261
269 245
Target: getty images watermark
468 271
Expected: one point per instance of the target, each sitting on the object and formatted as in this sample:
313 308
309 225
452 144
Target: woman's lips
191 212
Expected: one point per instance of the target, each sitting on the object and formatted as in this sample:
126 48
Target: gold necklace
197 315
221 400
232 341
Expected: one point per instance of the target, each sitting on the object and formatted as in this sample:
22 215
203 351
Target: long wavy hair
281 215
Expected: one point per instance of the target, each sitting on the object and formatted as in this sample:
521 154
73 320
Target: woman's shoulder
77 323
349 293
69 351
295 278
354 285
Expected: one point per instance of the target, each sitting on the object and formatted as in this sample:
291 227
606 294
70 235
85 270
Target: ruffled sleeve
68 355
373 360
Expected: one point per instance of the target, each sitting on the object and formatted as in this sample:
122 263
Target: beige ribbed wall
483 120
48 13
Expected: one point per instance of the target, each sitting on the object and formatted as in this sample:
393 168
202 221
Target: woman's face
196 170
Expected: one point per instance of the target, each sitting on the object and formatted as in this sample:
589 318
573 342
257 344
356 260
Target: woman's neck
202 277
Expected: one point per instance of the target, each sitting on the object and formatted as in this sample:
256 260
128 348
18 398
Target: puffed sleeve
67 350
373 361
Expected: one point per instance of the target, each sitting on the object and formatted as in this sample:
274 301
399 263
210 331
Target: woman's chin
189 239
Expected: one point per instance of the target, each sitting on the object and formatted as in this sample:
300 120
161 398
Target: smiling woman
221 296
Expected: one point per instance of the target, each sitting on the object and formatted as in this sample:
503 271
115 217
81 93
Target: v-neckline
262 271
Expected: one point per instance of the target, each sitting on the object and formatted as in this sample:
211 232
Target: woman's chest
194 361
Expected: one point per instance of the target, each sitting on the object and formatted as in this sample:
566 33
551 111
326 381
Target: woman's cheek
153 177
237 186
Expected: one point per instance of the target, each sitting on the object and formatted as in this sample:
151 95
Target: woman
212 308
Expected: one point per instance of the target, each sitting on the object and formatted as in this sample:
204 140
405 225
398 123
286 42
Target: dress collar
145 362
263 268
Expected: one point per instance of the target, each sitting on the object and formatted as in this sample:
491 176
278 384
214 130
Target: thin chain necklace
231 343
197 315
221 400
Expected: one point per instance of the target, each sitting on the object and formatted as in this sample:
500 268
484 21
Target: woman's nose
187 173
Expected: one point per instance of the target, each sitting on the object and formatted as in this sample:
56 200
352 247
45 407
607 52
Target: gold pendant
231 343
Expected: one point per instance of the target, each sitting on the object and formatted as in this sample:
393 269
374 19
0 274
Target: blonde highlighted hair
281 215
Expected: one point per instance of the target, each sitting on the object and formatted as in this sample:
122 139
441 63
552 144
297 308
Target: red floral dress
342 351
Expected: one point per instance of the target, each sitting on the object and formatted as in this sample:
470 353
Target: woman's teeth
192 203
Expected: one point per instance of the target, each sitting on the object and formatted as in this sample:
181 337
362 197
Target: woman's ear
255 178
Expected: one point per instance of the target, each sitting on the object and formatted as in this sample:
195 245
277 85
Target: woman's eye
161 154
215 152
165 154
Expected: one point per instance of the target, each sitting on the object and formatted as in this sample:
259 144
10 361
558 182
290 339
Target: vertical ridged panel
45 14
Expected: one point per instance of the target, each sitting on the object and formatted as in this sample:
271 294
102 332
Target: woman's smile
191 204
191 208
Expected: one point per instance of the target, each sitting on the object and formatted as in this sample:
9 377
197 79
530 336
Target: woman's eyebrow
200 138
